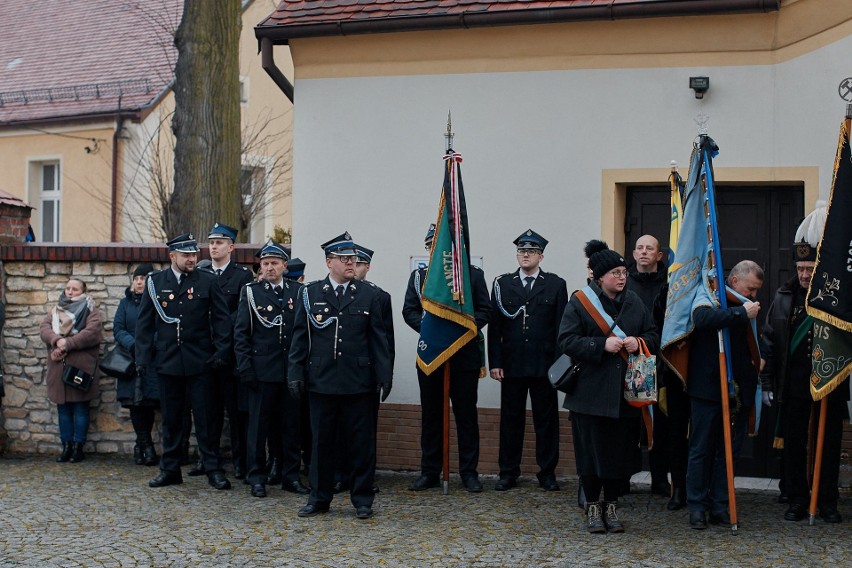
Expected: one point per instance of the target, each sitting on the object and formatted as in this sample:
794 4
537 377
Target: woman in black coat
141 411
605 427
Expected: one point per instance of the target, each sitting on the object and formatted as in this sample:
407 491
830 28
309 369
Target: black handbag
562 373
77 378
118 363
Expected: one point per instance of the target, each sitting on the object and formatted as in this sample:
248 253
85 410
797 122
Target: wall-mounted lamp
700 85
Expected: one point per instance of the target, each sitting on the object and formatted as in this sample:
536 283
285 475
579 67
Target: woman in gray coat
605 428
72 332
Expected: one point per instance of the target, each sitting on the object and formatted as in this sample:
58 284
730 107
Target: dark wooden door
756 223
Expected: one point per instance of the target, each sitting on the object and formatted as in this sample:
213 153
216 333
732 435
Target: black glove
296 389
141 370
248 378
384 390
216 362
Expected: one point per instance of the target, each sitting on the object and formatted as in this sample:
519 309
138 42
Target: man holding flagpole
706 483
449 305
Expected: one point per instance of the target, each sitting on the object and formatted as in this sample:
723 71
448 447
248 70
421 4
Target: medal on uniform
189 296
165 304
171 296
268 308
319 317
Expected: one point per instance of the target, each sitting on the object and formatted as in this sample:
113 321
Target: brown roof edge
281 34
59 120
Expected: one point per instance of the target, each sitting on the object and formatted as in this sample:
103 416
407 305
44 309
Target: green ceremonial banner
830 295
448 318
832 358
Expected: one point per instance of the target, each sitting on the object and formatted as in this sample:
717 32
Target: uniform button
340 354
339 340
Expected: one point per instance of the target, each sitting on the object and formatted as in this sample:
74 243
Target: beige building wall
554 123
83 156
146 152
267 125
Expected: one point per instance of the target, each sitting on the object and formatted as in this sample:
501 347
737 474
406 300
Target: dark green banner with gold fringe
830 294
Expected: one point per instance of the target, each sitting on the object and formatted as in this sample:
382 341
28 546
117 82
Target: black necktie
528 280
181 278
218 272
340 292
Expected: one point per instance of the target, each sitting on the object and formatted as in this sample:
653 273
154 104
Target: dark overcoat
83 349
598 390
124 330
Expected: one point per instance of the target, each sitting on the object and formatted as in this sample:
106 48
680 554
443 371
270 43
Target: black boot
678 499
65 455
137 454
149 453
77 454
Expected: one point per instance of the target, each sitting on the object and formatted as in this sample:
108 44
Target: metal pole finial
449 135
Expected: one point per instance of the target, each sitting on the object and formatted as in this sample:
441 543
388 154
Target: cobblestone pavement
101 513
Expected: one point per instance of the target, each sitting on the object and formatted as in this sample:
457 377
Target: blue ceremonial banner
448 321
690 269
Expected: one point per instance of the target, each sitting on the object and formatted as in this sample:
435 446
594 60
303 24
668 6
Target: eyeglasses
618 273
346 259
530 252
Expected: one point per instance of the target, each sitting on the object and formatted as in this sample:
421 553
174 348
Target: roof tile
48 48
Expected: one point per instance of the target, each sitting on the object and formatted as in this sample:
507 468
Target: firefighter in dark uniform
262 335
527 307
296 273
465 368
227 396
339 358
185 310
362 267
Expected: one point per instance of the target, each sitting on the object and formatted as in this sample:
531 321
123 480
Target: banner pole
446 437
823 410
726 431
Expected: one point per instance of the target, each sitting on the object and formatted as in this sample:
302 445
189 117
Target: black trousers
351 415
678 431
513 419
226 399
174 391
797 414
464 387
272 409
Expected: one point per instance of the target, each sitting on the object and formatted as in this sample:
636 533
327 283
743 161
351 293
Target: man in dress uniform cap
227 394
339 358
786 345
465 367
184 331
262 335
364 258
527 306
295 269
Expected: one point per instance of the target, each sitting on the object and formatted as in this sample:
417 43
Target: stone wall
33 277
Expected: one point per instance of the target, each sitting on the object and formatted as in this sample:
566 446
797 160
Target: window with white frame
46 193
255 199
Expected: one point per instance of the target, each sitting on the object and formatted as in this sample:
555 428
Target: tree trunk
207 119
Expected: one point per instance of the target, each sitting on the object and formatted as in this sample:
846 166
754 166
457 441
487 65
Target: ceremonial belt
593 305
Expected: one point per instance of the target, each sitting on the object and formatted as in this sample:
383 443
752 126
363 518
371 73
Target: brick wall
399 441
33 277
